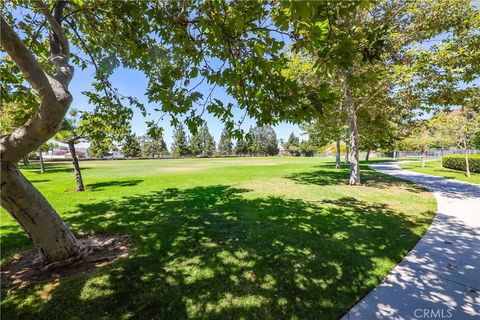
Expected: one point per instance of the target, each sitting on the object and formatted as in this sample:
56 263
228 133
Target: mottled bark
76 168
36 216
354 137
19 197
42 165
337 154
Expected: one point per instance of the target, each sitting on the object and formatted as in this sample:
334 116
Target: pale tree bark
354 137
36 216
76 167
423 158
467 163
42 165
53 239
337 154
347 151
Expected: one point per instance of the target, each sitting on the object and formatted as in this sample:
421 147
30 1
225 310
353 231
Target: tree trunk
19 197
367 156
467 163
32 211
76 168
42 165
423 158
354 138
337 154
25 161
347 152
394 155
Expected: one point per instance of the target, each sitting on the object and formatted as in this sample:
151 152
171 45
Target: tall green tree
131 147
262 141
293 145
153 145
241 147
98 149
225 145
180 145
202 143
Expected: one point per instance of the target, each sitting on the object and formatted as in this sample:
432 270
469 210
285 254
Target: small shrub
457 162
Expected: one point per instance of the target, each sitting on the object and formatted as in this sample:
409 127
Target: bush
457 162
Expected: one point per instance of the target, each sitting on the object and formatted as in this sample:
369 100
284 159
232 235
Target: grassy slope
435 168
216 238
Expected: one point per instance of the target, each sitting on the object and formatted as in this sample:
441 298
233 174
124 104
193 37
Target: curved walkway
440 276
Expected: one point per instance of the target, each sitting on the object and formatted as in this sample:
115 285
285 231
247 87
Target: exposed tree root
96 251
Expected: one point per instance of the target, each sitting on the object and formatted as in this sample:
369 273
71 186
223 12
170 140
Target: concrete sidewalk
440 276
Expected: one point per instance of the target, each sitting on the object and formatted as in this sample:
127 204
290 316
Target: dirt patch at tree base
28 268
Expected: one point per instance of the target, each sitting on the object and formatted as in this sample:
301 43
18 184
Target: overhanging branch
55 25
23 58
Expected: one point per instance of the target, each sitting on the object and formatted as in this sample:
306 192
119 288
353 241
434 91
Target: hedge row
457 162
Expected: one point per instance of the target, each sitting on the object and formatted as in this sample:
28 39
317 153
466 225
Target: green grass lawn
268 238
435 168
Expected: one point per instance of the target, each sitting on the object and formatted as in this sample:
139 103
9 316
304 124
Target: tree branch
55 25
55 98
23 58
371 97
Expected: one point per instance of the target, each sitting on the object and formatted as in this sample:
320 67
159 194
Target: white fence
432 154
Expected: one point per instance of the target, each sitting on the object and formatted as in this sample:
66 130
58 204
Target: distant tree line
259 141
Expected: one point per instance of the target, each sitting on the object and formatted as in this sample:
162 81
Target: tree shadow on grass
51 167
327 175
38 180
216 252
98 186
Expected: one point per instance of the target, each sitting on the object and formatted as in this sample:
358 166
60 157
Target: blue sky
134 83
131 82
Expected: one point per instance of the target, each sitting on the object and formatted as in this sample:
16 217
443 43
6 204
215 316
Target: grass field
435 168
269 238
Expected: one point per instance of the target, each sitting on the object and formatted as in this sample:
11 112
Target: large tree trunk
36 216
354 138
42 165
76 168
337 154
20 198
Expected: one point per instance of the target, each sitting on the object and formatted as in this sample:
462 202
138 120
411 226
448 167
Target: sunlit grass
223 238
435 168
